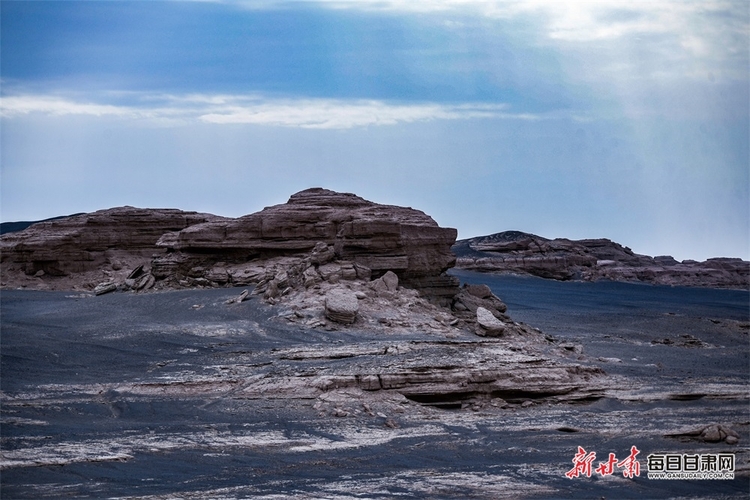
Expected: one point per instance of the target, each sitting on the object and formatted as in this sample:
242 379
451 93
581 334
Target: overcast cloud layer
566 119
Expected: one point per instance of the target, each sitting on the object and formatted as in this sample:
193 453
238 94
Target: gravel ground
137 396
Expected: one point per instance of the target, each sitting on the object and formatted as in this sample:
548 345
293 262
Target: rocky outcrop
710 433
108 243
191 249
336 258
378 237
592 260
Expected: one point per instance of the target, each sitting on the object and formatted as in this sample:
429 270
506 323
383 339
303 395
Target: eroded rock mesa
378 237
81 250
592 260
179 248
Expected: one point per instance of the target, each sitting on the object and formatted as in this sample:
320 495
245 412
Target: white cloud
22 105
336 114
232 109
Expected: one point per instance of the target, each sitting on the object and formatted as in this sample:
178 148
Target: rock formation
343 226
81 250
710 433
362 233
592 260
341 306
336 257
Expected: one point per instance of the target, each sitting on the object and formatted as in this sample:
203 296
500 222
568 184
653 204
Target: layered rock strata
323 252
85 248
205 249
377 237
592 260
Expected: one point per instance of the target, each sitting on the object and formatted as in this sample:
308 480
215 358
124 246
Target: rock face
378 237
591 260
365 239
104 240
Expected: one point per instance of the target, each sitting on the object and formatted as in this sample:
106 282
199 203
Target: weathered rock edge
192 249
377 237
592 260
319 237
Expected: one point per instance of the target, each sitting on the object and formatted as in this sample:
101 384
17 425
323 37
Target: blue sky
624 120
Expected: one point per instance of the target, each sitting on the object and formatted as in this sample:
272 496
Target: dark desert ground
139 396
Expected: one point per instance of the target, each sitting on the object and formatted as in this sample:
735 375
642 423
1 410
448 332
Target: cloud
607 39
581 20
337 114
232 109
11 106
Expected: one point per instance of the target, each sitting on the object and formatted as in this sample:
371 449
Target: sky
588 119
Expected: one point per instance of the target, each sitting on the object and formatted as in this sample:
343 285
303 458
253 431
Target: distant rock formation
592 260
12 227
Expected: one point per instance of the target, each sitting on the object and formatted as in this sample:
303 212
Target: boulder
480 291
341 306
106 287
488 323
465 301
390 280
311 277
330 272
386 283
348 271
321 253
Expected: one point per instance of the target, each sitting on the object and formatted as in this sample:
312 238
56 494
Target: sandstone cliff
591 260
